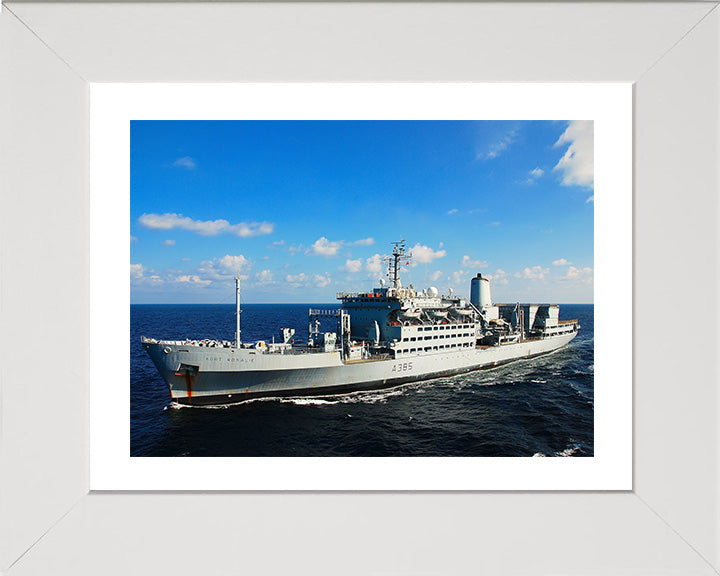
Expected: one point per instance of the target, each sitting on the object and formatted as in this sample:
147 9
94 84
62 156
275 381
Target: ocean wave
176 406
576 389
568 451
360 397
377 397
307 401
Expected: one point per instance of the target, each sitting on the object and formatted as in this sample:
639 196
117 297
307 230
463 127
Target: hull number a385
402 367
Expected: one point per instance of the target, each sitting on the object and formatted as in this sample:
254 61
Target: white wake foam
568 451
307 401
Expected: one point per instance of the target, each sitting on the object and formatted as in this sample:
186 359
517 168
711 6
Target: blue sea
537 407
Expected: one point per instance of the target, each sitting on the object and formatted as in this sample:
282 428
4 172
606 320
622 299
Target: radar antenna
399 254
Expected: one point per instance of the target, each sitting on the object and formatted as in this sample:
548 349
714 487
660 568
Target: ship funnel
480 292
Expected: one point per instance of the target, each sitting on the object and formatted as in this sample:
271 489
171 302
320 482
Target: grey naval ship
383 338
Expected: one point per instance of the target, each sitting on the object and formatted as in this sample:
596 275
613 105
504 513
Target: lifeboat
463 312
408 314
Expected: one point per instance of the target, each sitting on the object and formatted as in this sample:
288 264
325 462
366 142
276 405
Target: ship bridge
391 314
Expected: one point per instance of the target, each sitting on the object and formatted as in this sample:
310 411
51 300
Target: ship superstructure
382 338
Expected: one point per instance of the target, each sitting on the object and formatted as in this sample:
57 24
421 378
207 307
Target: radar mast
393 262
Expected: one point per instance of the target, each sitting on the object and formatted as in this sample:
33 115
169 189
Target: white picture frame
668 524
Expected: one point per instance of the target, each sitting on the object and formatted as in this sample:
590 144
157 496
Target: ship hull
201 376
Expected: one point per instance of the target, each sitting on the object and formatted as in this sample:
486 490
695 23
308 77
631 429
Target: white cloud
169 221
220 270
425 254
435 276
374 264
232 264
453 211
169 243
136 271
302 279
583 275
185 162
535 273
353 265
223 268
133 239
140 276
279 243
561 262
498 277
363 242
192 279
323 247
264 277
457 277
494 224
296 279
590 199
468 263
578 163
321 281
535 174
498 147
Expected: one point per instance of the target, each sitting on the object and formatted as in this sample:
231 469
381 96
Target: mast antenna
237 311
399 254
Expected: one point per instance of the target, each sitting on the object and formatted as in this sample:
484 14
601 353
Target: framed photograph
83 204
332 380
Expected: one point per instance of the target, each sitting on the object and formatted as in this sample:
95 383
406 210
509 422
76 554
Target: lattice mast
399 256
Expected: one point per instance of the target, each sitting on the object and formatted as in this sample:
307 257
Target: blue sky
304 209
